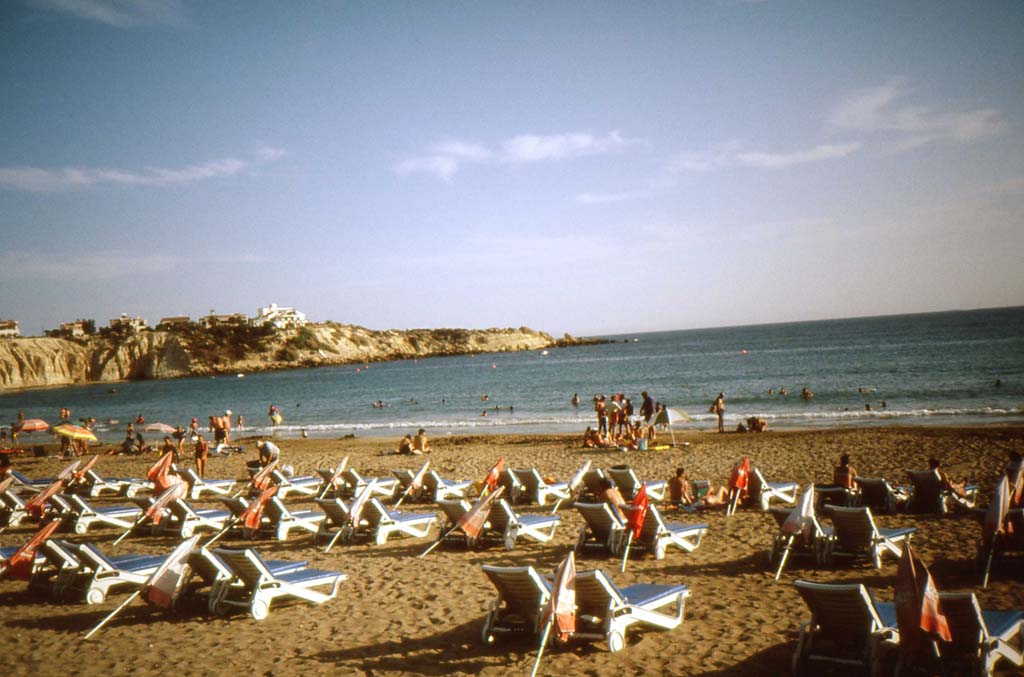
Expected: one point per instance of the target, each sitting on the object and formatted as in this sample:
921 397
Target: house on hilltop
279 316
232 320
9 329
174 322
133 324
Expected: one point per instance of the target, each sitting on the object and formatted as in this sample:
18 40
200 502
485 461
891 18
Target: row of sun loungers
603 610
848 626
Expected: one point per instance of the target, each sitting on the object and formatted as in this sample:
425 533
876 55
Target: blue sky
584 167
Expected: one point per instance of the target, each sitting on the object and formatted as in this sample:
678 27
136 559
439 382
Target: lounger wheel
616 641
187 531
131 491
94 596
81 528
260 610
486 635
510 542
581 542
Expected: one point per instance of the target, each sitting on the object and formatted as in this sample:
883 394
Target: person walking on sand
646 407
202 453
718 408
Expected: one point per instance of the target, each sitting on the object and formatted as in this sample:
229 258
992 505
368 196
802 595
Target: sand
399 615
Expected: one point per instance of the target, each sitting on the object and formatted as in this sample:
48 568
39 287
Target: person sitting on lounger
958 488
844 473
610 495
679 490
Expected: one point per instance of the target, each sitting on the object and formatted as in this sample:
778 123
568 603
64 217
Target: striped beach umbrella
74 432
31 425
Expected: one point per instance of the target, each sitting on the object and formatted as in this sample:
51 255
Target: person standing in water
575 400
718 408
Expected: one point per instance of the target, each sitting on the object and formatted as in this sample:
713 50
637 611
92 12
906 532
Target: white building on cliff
279 316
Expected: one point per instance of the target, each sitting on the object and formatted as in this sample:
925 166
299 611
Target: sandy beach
399 615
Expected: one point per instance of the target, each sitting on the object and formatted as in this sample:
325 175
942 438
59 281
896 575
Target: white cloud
446 158
117 13
39 180
880 110
731 154
782 160
442 166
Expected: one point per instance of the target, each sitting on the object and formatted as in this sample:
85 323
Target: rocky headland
37 362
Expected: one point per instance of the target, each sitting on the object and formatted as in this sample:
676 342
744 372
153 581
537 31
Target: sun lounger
384 522
382 486
12 509
763 492
603 528
93 485
512 525
856 535
261 586
102 574
337 517
1006 546
928 494
628 484
876 493
844 497
513 486
522 594
846 626
281 520
215 574
491 531
85 515
536 489
33 484
198 486
605 611
981 638
443 490
657 535
405 478
307 486
812 541
592 480
189 520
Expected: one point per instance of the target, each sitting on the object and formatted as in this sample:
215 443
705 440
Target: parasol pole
625 554
543 642
110 616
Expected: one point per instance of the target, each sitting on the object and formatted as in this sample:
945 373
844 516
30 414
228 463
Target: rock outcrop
34 362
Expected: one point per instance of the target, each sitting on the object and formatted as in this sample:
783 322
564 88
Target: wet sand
401 615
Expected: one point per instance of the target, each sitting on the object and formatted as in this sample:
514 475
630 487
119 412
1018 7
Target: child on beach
202 453
844 473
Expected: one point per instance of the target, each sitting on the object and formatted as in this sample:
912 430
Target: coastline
400 615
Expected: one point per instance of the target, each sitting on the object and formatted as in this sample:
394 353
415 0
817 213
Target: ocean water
934 369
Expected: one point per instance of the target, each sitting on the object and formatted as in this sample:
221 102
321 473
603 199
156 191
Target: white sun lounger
85 515
307 486
281 520
628 484
763 491
522 594
443 490
261 586
605 611
657 535
512 525
385 522
189 520
536 489
603 527
856 535
93 485
197 486
103 574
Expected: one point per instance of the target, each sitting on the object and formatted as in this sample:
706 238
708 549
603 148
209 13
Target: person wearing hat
268 451
419 443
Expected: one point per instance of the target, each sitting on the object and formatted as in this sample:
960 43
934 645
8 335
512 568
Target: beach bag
642 445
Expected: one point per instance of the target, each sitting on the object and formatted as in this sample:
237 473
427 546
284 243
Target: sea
946 369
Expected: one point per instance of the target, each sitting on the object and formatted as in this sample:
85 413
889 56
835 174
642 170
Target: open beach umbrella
74 432
159 428
675 416
31 425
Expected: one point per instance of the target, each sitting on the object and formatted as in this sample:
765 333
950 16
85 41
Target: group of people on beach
414 445
619 425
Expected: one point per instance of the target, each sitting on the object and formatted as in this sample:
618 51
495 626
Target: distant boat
543 352
240 375
636 340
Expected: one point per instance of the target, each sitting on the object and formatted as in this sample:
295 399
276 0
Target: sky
584 167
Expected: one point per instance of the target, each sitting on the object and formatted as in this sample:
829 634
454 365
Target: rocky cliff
33 362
